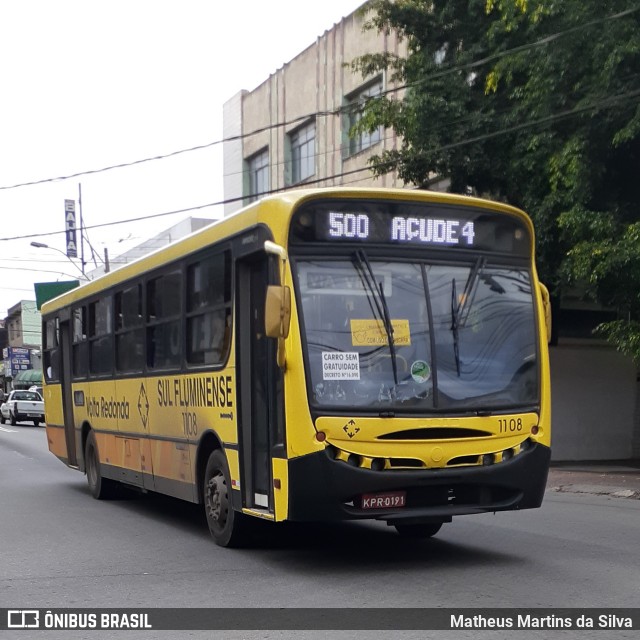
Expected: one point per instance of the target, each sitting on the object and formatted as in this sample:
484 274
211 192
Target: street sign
70 227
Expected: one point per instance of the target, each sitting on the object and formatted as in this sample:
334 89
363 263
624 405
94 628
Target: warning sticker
340 365
371 333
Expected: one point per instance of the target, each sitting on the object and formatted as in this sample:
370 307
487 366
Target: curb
598 490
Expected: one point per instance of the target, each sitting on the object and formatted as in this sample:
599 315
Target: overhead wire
605 103
332 112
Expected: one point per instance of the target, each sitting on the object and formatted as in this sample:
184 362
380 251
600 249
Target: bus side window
209 310
164 304
52 350
100 336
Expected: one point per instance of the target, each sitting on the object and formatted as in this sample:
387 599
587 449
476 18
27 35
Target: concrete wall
593 403
232 150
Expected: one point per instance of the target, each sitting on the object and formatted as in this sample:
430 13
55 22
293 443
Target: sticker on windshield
340 365
372 333
420 371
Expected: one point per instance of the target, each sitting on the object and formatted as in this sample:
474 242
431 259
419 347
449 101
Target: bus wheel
425 530
227 526
101 488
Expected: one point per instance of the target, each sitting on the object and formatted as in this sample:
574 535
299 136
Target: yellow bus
322 355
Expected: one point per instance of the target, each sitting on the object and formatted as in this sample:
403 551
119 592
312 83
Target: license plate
388 500
33 415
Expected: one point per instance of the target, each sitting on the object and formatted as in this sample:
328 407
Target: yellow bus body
154 431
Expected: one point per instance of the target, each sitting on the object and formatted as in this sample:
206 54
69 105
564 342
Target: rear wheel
36 423
1 419
228 527
425 530
101 488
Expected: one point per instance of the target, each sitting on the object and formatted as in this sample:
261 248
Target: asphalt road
61 548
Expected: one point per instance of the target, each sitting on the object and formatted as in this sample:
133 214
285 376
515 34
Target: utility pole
81 227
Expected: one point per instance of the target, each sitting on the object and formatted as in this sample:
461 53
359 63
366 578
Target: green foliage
533 102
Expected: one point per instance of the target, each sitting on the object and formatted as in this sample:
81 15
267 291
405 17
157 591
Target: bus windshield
388 336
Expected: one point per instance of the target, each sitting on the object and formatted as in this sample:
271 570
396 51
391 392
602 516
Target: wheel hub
217 498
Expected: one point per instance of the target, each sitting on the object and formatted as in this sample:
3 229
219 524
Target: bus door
67 394
260 383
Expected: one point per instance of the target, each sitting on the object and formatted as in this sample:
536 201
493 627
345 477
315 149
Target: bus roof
274 211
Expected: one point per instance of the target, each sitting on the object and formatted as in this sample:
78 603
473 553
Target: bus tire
425 530
227 527
101 488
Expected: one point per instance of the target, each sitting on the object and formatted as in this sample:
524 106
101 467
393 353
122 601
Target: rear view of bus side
322 355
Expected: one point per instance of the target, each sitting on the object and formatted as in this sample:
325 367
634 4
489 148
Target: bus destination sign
419 224
403 229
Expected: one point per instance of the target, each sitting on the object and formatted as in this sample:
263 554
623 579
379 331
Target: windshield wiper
455 320
458 306
380 300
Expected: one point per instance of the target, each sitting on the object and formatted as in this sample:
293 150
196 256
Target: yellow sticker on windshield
371 333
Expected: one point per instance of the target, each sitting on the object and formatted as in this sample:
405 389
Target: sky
89 84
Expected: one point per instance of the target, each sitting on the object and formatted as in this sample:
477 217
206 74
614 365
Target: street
61 548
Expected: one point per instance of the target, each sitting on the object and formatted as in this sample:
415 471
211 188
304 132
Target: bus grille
435 433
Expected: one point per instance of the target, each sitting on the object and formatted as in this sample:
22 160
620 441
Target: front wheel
101 488
227 527
425 530
13 420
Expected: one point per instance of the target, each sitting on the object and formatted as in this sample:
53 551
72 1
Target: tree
535 103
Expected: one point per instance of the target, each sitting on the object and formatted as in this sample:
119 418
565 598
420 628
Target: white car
22 405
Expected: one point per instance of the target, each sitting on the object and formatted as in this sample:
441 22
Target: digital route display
425 224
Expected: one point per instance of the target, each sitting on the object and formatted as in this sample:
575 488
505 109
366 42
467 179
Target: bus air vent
435 433
403 463
463 460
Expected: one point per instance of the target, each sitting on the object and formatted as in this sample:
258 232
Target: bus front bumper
322 489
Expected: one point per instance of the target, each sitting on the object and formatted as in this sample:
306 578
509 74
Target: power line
332 112
606 103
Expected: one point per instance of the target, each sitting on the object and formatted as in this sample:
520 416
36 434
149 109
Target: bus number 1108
510 425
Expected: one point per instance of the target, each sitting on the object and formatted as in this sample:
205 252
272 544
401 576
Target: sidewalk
615 479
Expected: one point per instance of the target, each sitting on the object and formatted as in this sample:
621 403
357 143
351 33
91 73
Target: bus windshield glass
386 336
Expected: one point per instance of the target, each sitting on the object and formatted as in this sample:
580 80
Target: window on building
303 152
209 310
355 102
258 174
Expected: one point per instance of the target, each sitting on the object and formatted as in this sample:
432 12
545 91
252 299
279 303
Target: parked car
37 389
22 405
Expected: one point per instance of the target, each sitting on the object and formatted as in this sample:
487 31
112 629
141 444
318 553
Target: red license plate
388 500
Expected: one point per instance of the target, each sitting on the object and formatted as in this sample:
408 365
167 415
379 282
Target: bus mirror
546 307
276 250
277 314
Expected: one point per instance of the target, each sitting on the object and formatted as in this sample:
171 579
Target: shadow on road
323 547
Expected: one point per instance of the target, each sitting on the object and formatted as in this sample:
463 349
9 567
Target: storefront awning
28 378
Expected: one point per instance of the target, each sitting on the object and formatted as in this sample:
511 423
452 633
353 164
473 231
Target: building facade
293 129
22 356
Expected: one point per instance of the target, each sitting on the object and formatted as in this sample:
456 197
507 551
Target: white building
177 231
